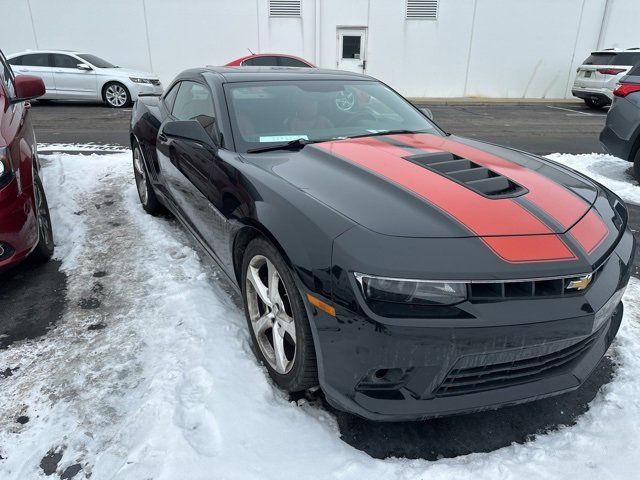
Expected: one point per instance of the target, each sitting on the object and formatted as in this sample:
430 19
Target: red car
270 60
25 224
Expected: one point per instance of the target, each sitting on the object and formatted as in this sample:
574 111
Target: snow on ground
149 374
610 171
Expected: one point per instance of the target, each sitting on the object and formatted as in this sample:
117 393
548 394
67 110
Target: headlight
418 292
139 80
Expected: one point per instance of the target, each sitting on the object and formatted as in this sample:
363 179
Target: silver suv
599 74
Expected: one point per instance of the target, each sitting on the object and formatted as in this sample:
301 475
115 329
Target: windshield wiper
387 132
296 144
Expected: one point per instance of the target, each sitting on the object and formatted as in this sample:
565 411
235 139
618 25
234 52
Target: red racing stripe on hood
590 232
483 217
552 198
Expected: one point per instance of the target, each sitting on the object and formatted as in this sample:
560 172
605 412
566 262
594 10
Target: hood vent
480 179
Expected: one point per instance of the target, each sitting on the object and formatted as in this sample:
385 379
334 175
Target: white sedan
82 76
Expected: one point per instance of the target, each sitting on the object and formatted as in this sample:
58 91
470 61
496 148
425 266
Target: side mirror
83 66
189 130
427 113
28 87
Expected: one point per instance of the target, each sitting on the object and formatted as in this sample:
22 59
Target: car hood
424 185
127 72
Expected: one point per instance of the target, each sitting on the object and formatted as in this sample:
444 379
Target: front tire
116 95
277 319
44 249
146 193
636 165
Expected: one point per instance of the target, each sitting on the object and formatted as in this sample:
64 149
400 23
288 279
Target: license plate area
587 74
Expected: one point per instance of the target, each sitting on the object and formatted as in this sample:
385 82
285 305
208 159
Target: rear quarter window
261 62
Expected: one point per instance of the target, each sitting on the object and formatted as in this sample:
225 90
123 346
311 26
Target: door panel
72 82
352 49
187 168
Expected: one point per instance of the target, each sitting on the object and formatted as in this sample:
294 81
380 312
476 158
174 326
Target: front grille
500 375
544 287
480 179
155 82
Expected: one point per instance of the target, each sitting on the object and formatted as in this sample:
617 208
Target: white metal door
352 49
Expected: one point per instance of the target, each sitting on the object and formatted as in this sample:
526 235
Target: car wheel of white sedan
116 95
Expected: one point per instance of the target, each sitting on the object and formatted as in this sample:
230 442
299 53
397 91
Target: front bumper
18 224
499 353
137 89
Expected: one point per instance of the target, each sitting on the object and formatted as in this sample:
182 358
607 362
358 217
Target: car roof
250 74
27 52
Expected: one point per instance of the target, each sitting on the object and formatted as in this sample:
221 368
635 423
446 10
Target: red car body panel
238 61
18 217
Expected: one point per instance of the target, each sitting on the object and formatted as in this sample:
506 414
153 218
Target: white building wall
476 48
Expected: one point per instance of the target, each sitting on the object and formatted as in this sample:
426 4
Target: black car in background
621 134
409 273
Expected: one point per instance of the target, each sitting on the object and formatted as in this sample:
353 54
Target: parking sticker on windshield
282 138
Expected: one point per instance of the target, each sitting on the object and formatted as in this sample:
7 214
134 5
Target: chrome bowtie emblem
580 283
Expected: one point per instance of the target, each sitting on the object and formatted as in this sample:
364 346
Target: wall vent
422 9
285 8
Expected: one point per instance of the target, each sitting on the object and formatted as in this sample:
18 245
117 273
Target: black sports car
407 272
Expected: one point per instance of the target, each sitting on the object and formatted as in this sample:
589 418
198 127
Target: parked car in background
621 134
82 76
408 272
599 74
270 60
25 224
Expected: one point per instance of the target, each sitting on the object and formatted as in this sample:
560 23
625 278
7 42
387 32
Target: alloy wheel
141 177
116 95
271 314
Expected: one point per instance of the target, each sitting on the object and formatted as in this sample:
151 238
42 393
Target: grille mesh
500 375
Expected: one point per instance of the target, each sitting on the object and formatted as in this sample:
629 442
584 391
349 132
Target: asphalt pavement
32 297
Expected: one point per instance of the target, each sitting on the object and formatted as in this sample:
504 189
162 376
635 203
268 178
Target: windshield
276 112
96 61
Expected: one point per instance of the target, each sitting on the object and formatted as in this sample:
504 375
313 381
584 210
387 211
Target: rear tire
146 193
595 103
291 362
44 249
636 165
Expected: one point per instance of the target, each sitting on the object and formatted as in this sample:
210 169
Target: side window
65 61
6 77
170 97
15 61
291 62
36 60
261 62
193 102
